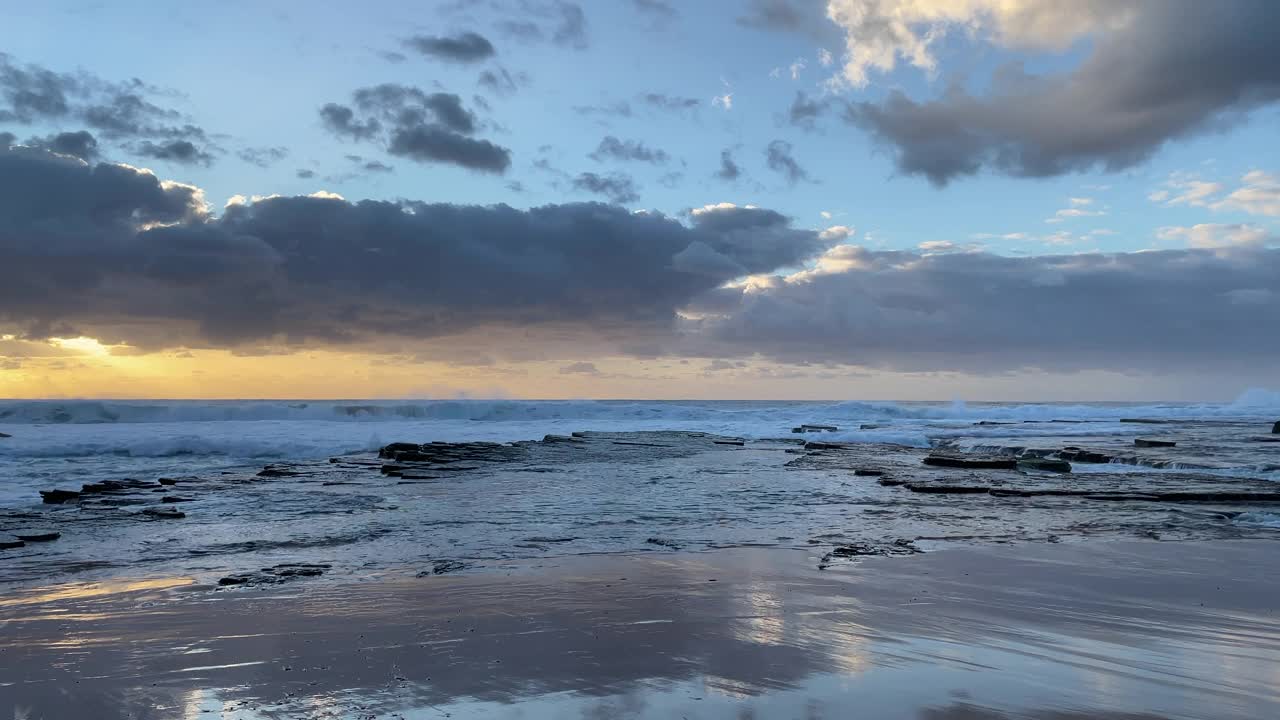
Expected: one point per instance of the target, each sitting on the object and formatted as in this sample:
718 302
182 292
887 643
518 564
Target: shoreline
1185 629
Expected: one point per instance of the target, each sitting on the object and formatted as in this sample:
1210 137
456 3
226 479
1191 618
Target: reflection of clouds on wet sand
1020 633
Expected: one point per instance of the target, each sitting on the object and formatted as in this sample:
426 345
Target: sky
808 199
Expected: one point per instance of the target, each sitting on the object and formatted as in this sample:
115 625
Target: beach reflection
731 634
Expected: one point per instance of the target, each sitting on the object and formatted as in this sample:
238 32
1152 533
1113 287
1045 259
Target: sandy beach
1126 629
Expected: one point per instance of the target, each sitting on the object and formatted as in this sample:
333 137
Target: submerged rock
1075 454
163 513
276 574
58 497
7 435
9 542
167 481
957 461
442 567
867 472
1275 429
1044 464
1144 442
30 536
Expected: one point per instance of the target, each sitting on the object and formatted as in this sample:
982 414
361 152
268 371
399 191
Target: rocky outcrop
807 428
967 461
1275 429
9 542
1044 464
275 574
58 497
34 536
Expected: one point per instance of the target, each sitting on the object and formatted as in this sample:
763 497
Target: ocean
539 509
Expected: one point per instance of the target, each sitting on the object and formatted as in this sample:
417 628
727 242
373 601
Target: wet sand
1057 632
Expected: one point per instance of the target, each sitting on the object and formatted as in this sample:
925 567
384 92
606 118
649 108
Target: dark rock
442 567
739 443
1075 454
175 499
1266 438
275 574
57 497
823 446
111 486
868 473
662 543
167 481
7 435
273 471
956 461
29 536
947 489
163 513
994 422
1044 464
1144 421
897 547
9 542
869 426
389 451
1144 442
807 428
891 482
1275 429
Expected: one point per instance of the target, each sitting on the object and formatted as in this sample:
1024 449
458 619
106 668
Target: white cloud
1260 195
797 67
1078 207
825 58
881 32
1213 235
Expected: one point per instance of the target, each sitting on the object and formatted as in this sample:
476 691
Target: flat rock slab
9 542
956 461
1147 442
30 536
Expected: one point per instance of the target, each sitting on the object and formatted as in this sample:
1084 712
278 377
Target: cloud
80 144
502 82
611 148
670 103
115 253
807 18
179 151
1211 235
619 188
563 23
467 47
1155 72
805 111
410 123
116 111
1259 195
1147 312
304 174
729 170
263 156
778 157
580 368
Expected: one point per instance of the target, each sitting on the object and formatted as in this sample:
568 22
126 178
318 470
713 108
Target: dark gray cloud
263 156
304 174
619 188
423 127
7 139
805 111
670 103
977 312
341 120
502 82
123 111
729 170
81 144
1181 67
571 28
183 152
779 159
464 47
113 252
432 143
611 148
580 368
